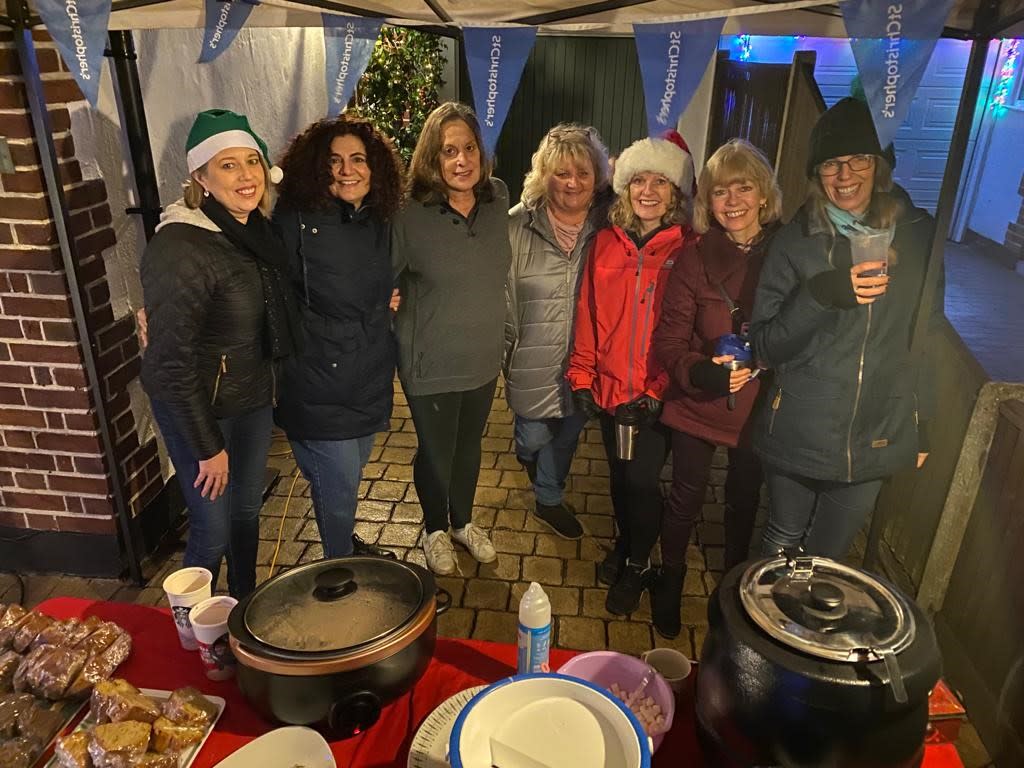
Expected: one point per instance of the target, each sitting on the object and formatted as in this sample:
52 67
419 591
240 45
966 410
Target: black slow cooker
809 662
328 644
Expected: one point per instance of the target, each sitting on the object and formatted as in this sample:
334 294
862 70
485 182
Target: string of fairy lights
1001 92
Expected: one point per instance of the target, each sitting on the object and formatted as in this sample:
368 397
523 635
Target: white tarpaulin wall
818 18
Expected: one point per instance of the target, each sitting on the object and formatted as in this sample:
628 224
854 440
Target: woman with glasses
834 313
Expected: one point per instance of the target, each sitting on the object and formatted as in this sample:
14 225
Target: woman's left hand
921 457
396 300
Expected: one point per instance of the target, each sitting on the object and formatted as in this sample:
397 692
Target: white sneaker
440 554
476 541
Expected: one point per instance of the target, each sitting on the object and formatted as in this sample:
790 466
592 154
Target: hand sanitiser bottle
534 630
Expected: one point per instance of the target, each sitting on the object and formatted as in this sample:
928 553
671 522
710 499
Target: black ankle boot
624 596
666 595
360 547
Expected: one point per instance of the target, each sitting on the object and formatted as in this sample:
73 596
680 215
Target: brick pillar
54 478
1015 232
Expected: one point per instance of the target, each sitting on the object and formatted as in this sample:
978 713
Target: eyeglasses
855 163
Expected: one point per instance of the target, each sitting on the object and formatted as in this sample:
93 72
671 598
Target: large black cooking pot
808 662
329 643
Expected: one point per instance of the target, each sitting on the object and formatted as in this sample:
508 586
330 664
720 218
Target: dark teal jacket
848 402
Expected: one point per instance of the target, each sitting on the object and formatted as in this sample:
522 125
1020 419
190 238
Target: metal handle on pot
892 668
444 601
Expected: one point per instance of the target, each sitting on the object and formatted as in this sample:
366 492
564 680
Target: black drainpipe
133 118
43 134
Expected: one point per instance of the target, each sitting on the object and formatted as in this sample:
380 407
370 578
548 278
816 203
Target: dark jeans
822 516
636 486
230 525
550 443
334 469
449 426
691 465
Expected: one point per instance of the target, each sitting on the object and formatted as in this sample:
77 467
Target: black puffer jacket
342 385
848 402
204 310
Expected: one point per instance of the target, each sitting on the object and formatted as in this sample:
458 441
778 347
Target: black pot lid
334 605
827 609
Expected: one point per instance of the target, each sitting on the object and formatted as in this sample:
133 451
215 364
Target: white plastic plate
186 758
430 744
283 747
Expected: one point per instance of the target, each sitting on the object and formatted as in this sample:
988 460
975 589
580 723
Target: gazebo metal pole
133 116
43 134
943 217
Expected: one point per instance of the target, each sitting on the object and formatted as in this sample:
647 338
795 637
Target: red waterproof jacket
694 315
618 308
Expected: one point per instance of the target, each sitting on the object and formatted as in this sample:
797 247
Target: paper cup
186 588
210 624
670 664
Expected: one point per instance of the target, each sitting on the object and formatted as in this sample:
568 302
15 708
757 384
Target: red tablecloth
158 661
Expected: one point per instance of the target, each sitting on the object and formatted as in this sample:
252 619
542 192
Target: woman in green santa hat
217 322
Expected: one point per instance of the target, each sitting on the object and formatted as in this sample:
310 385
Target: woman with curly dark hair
344 185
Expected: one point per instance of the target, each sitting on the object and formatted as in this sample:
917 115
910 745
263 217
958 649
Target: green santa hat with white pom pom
218 129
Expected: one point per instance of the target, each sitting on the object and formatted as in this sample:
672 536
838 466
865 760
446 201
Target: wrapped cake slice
118 745
33 624
114 701
187 706
72 751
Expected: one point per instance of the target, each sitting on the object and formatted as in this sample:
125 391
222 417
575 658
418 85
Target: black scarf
257 239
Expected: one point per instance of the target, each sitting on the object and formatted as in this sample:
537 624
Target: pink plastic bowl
606 667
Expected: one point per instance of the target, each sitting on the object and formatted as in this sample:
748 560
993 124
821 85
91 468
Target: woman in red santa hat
612 369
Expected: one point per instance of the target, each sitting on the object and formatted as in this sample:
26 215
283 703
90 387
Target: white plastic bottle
534 630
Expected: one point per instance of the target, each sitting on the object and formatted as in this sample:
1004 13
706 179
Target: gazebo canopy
818 18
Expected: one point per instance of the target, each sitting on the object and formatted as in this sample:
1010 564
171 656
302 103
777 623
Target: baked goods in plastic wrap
99 640
100 666
72 751
9 623
187 706
114 701
9 662
40 723
60 633
56 671
18 753
118 745
12 705
171 737
33 624
27 670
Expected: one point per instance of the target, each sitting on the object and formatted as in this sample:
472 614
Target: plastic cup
871 247
185 589
210 623
670 664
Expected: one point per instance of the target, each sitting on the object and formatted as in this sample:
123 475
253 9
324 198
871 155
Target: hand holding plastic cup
210 623
874 246
185 589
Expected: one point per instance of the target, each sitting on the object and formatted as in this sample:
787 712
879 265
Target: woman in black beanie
849 405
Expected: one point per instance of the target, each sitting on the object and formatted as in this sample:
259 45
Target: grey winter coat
543 285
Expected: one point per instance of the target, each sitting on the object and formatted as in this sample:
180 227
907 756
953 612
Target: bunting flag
495 57
892 43
79 28
348 46
224 20
673 57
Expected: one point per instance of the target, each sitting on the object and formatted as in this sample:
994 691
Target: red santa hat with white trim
669 156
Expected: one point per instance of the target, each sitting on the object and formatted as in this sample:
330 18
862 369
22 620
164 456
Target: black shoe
560 518
666 595
531 469
624 596
610 568
360 547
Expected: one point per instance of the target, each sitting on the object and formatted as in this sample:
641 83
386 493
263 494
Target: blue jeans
822 516
550 443
230 525
334 469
